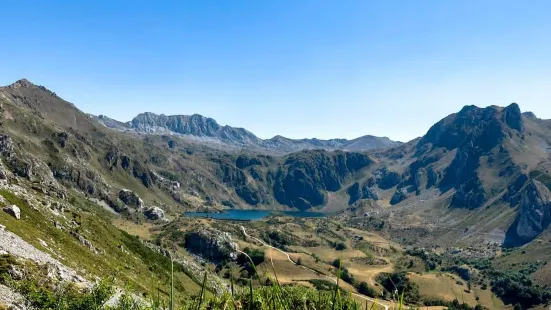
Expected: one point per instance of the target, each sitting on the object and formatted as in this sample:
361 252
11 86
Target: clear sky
308 68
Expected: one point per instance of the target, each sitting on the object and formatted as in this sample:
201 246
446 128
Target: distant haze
300 69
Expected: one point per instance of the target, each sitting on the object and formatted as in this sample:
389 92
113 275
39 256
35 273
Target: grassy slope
140 268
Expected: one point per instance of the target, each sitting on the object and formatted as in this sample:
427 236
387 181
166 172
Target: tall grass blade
171 283
251 293
401 301
202 291
231 286
336 286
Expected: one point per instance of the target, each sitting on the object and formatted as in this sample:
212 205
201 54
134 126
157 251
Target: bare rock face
513 117
387 179
6 145
211 244
420 180
364 192
14 211
535 211
400 195
131 199
154 213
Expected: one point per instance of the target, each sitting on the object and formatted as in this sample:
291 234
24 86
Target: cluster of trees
432 260
256 255
278 239
518 288
399 283
339 246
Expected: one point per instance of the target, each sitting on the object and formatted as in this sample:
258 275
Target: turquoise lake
251 215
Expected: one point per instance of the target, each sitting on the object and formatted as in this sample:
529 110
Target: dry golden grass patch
375 239
142 230
367 273
445 286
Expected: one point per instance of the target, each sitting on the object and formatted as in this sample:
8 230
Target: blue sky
297 68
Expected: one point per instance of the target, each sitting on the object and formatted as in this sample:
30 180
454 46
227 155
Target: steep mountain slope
51 143
478 180
208 131
470 166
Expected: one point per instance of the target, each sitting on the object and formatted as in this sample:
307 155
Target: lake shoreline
246 215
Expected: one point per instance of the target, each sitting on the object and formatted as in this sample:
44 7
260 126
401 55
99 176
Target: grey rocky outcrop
420 180
400 195
386 178
12 244
12 299
211 244
131 199
6 145
14 211
364 192
513 117
154 213
535 211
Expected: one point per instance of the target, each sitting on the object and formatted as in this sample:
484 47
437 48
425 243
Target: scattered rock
15 273
43 243
14 211
85 241
121 247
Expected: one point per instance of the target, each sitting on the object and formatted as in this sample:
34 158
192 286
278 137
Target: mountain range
478 178
203 129
476 159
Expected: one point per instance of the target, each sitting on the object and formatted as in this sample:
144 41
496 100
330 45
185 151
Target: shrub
340 246
364 289
398 281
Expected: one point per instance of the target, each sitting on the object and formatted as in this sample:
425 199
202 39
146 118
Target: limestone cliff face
535 211
211 244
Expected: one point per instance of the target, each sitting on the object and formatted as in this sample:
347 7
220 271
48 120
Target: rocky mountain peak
529 114
484 127
513 117
22 83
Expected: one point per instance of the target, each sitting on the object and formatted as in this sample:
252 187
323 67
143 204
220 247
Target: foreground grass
42 292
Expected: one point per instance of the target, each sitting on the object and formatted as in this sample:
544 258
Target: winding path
331 278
